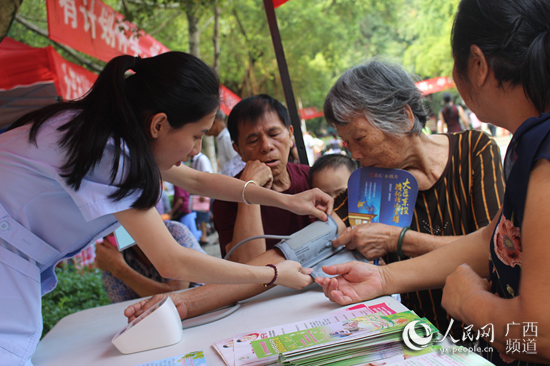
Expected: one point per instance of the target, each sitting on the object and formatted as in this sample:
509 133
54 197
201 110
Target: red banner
435 85
277 3
73 81
228 99
95 29
25 66
310 112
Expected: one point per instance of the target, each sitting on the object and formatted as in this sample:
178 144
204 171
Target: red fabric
228 99
277 3
23 65
73 81
435 85
310 112
97 30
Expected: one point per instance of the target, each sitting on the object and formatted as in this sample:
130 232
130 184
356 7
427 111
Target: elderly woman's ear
410 116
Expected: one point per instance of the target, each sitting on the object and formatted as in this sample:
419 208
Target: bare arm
248 221
218 186
359 281
209 297
464 298
440 122
109 259
376 240
174 261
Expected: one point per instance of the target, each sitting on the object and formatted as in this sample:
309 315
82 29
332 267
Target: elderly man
262 135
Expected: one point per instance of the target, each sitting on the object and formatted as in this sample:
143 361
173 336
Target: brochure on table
189 359
238 350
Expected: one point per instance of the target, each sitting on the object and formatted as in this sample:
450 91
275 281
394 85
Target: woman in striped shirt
378 112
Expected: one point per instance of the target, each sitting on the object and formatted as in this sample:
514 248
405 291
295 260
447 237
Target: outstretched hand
313 202
356 281
291 274
135 310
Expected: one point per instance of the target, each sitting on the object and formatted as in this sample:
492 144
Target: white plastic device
159 326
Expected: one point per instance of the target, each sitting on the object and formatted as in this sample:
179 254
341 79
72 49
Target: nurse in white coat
73 172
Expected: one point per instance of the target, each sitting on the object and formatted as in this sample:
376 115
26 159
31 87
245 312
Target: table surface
84 338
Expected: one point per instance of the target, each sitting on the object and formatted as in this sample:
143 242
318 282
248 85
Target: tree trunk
193 28
8 9
216 37
208 147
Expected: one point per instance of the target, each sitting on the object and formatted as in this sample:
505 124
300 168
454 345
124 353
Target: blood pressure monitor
159 326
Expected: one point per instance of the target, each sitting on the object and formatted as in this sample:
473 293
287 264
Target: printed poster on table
379 195
189 359
238 351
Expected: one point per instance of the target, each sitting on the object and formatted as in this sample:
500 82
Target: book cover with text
380 195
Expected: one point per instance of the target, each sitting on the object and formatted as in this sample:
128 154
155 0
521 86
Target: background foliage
321 38
77 290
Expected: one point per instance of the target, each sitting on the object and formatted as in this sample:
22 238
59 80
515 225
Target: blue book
380 195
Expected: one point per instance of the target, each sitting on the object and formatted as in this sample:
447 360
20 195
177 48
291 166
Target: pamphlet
380 195
238 350
189 359
363 328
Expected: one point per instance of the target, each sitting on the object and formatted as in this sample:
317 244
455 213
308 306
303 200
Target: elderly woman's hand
372 240
356 281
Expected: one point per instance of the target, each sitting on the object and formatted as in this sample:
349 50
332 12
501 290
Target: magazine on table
238 350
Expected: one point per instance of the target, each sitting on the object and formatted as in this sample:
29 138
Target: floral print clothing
530 143
118 291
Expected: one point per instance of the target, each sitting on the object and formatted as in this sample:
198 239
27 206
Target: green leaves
76 290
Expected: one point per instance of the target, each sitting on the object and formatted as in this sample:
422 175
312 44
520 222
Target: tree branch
73 52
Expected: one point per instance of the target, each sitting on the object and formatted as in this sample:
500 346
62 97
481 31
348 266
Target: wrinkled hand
372 240
135 310
357 281
258 172
459 286
291 274
313 202
108 258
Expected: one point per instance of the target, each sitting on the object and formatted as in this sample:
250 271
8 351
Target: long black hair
175 83
515 39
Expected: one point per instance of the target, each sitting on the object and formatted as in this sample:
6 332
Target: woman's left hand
313 202
459 286
372 240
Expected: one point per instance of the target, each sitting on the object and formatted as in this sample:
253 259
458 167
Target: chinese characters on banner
95 29
73 81
435 85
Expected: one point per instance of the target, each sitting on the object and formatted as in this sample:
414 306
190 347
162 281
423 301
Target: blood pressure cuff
312 244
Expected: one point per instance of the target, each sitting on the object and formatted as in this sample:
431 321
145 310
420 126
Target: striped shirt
465 198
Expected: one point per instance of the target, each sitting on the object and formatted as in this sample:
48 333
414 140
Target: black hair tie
135 64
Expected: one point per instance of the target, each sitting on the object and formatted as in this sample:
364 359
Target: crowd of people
473 254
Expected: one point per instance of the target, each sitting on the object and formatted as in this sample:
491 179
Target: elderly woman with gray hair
377 110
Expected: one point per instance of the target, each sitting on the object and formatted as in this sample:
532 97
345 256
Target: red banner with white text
95 29
435 85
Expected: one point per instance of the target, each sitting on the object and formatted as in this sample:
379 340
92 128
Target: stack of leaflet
238 350
356 341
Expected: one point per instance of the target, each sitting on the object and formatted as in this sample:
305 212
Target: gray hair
378 91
